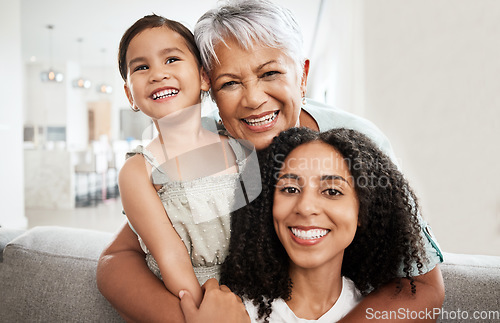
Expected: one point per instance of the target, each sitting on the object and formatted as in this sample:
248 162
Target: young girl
178 191
333 222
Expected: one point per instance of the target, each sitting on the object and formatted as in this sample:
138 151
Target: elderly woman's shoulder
329 117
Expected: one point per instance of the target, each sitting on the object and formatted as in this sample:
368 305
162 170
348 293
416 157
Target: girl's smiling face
315 208
163 75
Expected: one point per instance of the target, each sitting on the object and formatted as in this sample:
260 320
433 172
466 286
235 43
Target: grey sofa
47 274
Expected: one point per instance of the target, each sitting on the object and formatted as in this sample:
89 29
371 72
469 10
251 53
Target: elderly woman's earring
135 110
304 101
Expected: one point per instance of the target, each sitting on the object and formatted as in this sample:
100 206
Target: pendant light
104 87
81 82
51 75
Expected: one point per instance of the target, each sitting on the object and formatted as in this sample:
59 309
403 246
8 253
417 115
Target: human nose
254 95
159 73
306 204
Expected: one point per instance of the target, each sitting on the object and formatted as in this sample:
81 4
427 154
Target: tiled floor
105 216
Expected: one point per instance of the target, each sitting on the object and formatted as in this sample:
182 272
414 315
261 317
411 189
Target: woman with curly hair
335 220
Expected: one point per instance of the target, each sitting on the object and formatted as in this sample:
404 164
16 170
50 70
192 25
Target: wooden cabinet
99 114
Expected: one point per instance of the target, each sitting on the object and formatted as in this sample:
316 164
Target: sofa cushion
48 275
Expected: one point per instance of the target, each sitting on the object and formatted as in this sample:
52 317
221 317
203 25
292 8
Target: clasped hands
219 305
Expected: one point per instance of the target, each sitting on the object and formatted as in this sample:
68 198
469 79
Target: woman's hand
219 304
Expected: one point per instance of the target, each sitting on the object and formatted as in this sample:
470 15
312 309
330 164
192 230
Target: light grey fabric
48 275
6 236
472 287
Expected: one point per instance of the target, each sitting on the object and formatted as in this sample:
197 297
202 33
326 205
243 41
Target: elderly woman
252 52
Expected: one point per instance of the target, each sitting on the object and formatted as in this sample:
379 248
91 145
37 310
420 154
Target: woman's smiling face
258 91
315 208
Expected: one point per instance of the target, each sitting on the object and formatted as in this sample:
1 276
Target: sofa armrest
48 275
472 287
6 236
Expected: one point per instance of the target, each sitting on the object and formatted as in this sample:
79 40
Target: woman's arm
404 306
146 213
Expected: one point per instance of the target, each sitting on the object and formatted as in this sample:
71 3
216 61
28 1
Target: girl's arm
216 298
125 280
146 213
139 296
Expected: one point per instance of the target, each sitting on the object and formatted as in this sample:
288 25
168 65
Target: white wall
11 118
430 79
336 59
45 102
433 85
77 130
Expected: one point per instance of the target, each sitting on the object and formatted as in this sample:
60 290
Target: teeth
164 94
309 234
262 120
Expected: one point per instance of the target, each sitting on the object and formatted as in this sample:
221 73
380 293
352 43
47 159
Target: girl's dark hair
386 244
148 22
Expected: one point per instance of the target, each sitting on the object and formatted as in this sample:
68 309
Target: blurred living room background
426 72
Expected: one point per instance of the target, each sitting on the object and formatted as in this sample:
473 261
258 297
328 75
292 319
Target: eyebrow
333 177
323 178
288 175
226 74
164 51
261 66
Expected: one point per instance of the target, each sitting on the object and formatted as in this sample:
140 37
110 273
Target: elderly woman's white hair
249 22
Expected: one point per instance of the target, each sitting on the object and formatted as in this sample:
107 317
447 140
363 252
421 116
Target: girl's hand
219 304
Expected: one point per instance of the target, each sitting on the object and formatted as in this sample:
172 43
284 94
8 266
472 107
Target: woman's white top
348 299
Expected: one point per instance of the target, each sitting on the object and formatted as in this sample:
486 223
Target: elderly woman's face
258 92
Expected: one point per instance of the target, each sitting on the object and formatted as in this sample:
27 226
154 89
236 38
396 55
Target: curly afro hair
386 244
